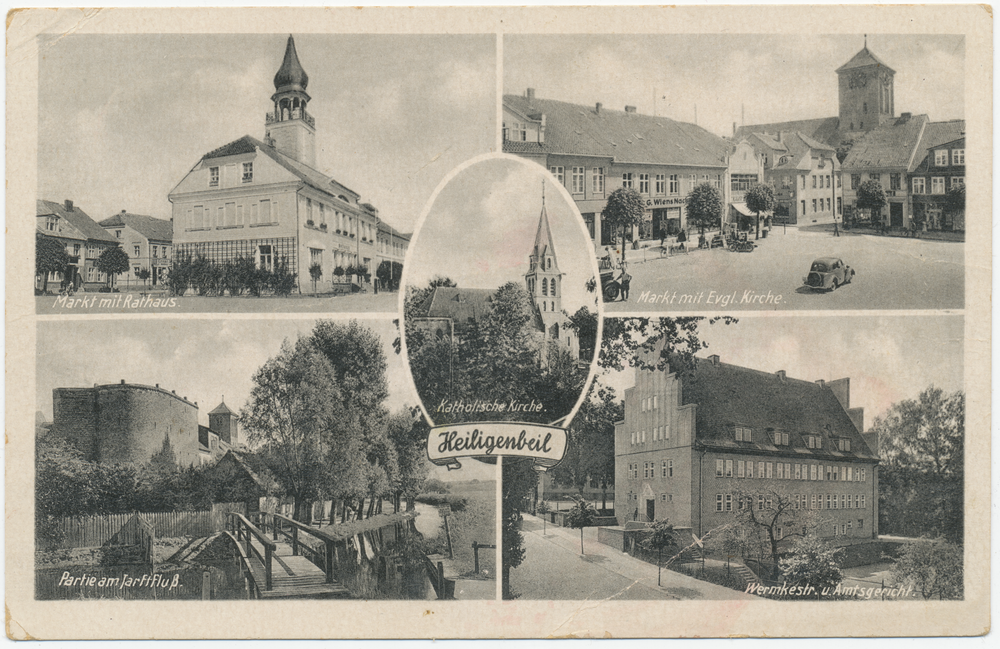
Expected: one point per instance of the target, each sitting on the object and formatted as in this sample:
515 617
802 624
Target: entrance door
896 215
650 510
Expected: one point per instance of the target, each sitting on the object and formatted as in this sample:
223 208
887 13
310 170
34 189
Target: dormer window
248 172
51 222
780 439
844 444
744 434
213 176
814 441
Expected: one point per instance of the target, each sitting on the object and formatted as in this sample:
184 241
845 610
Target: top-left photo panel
201 173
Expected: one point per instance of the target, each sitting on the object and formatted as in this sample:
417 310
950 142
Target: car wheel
834 285
732 247
611 292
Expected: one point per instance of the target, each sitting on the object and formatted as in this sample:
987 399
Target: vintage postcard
652 322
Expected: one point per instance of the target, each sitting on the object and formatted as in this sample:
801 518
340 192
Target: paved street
892 273
553 569
158 303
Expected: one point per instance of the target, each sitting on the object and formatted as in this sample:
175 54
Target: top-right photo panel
753 172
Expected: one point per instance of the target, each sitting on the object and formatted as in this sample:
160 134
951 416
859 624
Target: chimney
905 117
715 359
734 129
781 375
157 385
69 205
531 94
779 136
598 108
123 381
630 109
123 212
821 383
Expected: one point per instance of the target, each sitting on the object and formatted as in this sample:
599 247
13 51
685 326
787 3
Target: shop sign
663 202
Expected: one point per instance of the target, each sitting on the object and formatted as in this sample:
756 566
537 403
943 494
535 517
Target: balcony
272 118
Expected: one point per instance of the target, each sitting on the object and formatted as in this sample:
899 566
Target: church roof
824 129
305 173
290 75
863 59
222 409
891 145
147 226
543 238
622 136
462 305
728 395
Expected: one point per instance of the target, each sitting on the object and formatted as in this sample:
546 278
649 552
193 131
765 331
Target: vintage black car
827 273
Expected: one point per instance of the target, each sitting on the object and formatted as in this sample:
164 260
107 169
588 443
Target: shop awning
743 209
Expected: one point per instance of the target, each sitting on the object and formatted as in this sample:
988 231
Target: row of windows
232 214
649 403
824 181
726 502
230 171
264 252
344 223
659 433
154 251
937 184
781 438
941 157
821 208
789 471
649 469
662 184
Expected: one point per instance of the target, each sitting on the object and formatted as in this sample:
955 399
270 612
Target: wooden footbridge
278 564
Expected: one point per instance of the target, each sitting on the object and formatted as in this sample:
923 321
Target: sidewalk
674 584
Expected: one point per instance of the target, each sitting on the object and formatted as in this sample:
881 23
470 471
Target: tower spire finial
543 192
866 41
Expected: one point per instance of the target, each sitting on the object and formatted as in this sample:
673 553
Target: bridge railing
291 529
245 531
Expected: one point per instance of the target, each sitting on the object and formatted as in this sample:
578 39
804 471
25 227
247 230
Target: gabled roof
728 395
796 146
823 129
622 136
147 226
936 134
304 172
863 59
462 305
75 217
891 145
385 227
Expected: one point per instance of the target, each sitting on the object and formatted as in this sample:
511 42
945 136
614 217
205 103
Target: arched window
548 263
553 309
545 286
545 306
555 286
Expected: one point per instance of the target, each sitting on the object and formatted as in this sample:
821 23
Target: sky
122 118
773 77
201 359
887 358
481 229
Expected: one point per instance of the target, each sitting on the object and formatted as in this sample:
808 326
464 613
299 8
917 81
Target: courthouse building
594 150
265 199
693 442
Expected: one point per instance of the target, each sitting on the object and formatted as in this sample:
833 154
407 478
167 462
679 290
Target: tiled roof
385 227
891 145
462 305
863 59
307 174
936 134
770 141
222 409
77 218
625 137
147 226
728 395
823 129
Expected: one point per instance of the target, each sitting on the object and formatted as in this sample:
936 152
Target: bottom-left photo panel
246 459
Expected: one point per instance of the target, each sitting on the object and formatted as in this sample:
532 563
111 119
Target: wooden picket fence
95 531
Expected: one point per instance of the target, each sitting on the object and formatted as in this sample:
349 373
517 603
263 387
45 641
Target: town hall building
265 199
696 443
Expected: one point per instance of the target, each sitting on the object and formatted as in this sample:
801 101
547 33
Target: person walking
625 281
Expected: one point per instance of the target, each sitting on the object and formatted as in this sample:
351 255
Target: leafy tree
766 518
871 197
543 508
316 273
144 275
812 562
760 198
624 209
164 459
584 323
954 200
932 566
338 272
704 207
580 516
921 480
652 343
50 257
519 480
408 433
660 538
112 262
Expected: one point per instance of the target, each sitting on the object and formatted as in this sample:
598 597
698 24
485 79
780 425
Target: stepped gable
728 395
622 136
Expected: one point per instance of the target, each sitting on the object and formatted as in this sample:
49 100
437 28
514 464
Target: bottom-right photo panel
770 456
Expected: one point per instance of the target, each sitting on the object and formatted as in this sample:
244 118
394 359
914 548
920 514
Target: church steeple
544 279
290 128
867 97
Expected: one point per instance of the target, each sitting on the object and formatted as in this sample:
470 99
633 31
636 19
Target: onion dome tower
290 128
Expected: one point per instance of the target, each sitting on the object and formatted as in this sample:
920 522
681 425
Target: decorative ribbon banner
546 445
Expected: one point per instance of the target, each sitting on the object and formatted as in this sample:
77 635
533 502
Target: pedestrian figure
681 238
836 231
626 279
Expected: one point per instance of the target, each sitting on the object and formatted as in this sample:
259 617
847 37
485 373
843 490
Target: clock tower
866 92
